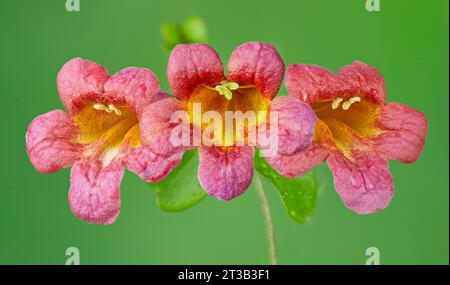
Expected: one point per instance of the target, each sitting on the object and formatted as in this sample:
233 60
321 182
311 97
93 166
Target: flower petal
226 172
299 163
49 142
94 194
191 65
134 86
296 123
161 95
365 185
365 79
79 79
309 83
149 166
156 126
404 132
258 64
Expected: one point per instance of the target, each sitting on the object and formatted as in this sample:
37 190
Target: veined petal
94 194
364 184
226 172
296 123
149 166
49 142
309 83
404 132
80 79
297 164
258 64
191 65
134 86
156 126
365 79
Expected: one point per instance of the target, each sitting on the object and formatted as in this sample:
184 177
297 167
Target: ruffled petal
365 79
191 65
299 163
364 184
296 123
149 166
404 131
49 142
156 126
258 64
226 172
134 86
94 194
309 83
79 79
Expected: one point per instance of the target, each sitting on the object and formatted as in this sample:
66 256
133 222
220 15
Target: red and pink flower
357 132
196 76
98 137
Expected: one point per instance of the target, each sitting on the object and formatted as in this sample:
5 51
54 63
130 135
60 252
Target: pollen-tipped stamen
346 105
336 103
115 109
225 88
108 109
99 107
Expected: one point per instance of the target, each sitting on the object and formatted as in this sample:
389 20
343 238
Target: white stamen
336 103
354 99
346 105
108 109
100 107
115 109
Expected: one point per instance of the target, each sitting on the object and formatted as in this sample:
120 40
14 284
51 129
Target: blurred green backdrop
407 41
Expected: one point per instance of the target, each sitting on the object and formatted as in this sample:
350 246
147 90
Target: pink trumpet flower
357 132
196 76
98 137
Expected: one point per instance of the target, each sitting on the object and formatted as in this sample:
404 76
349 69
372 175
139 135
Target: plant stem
270 232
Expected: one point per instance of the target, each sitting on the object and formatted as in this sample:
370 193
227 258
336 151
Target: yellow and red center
341 119
232 98
105 128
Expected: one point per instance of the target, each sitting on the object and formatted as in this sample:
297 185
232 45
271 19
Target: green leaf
171 36
181 190
194 30
299 195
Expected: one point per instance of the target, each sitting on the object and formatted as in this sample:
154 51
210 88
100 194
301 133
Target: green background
407 41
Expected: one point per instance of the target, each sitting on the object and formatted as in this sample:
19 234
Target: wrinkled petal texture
94 194
296 123
149 166
191 65
365 185
49 142
226 172
80 79
156 126
310 83
133 86
404 132
299 163
258 64
365 79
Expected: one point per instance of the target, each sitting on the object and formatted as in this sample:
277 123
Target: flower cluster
125 121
